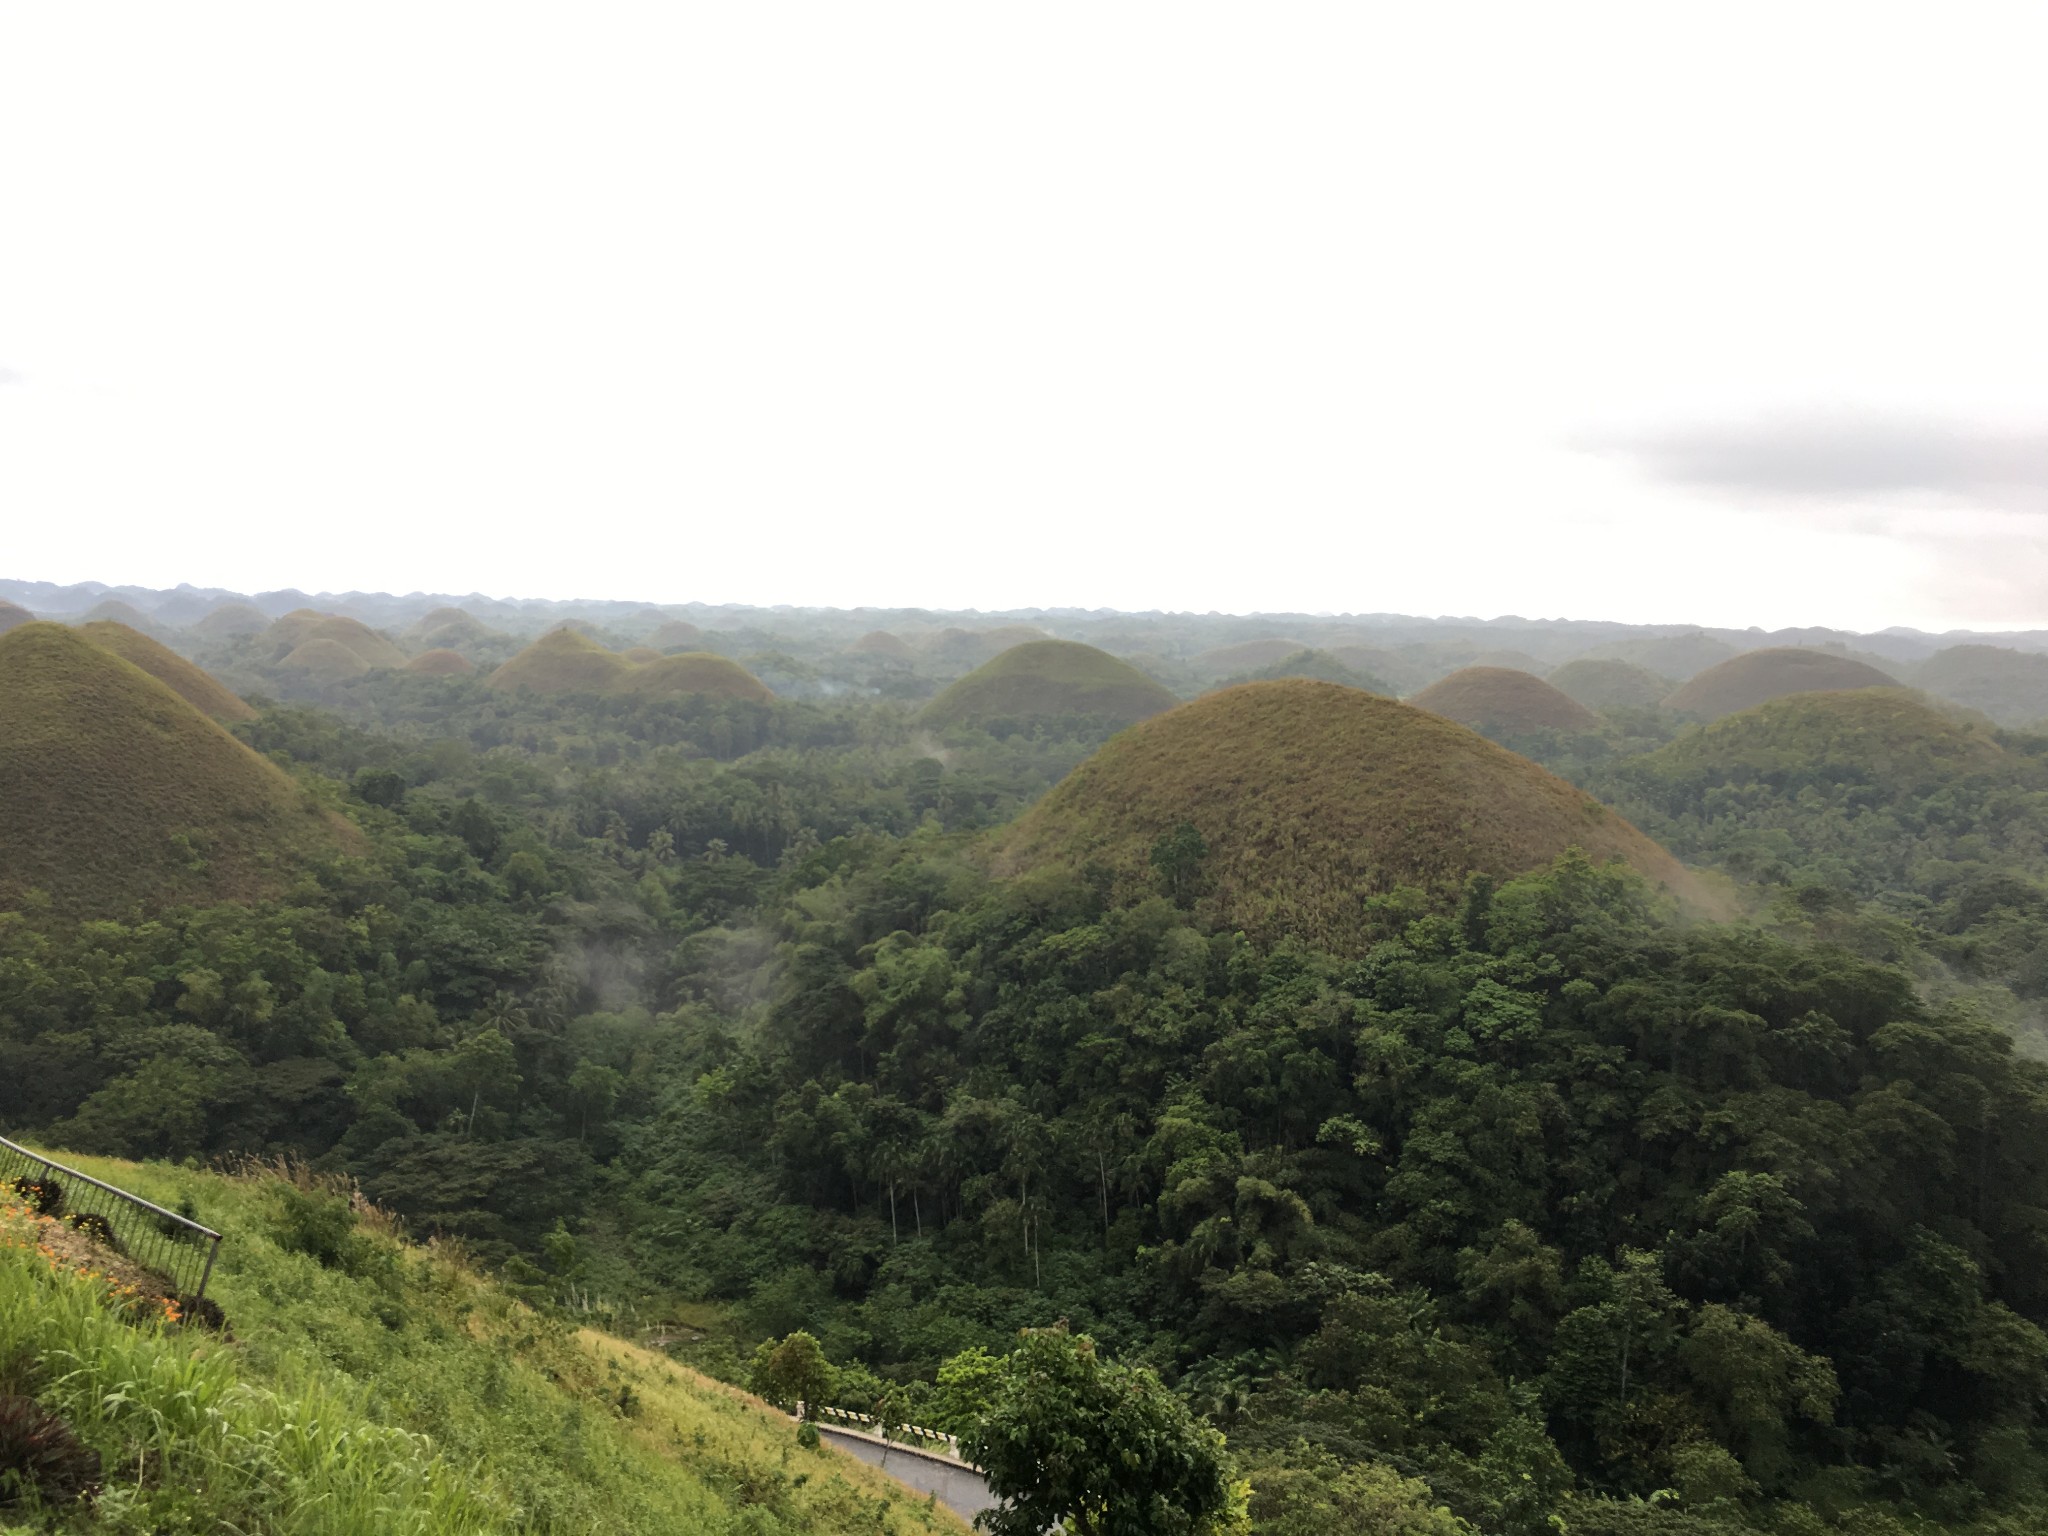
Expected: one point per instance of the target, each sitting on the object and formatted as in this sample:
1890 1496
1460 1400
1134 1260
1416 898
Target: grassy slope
191 684
328 660
231 619
693 672
675 635
1882 737
2010 686
103 770
1757 677
13 615
405 1380
1054 678
563 661
302 626
1502 699
1609 684
1312 798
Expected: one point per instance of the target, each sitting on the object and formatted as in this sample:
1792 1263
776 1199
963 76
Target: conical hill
325 661
188 682
1503 700
2008 685
675 635
1601 685
563 661
1888 744
880 645
693 672
1312 798
442 663
303 626
1050 678
13 615
232 619
116 793
1757 677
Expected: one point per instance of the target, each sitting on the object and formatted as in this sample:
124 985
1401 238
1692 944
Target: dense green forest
1548 1200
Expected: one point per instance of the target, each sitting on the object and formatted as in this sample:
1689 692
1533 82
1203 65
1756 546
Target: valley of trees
1546 1200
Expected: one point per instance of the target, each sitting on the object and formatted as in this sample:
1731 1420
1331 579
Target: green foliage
793 1371
1097 1446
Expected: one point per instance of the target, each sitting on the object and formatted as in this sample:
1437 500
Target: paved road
960 1488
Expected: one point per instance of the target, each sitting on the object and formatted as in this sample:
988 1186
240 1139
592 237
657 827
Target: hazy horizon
1600 310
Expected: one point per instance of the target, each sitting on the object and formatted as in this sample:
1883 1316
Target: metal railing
915 1435
163 1242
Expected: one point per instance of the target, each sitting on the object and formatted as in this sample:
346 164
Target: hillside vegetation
303 627
566 661
2010 686
13 615
367 1386
114 791
1503 701
1309 799
440 663
1246 656
230 620
1757 677
188 682
1680 656
1050 678
325 661
692 673
1604 685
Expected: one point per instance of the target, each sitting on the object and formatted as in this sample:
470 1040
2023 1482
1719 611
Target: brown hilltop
1050 678
232 619
694 672
1312 798
1504 700
883 646
304 626
13 615
190 683
1756 677
440 663
563 661
1601 685
117 793
326 661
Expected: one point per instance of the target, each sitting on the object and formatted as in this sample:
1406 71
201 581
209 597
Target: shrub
94 1226
41 1457
45 1196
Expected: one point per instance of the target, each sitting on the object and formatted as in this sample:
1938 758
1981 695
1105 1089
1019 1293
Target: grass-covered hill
189 682
563 661
115 792
638 654
1502 700
2010 686
230 620
692 673
1872 791
1326 666
1757 677
114 611
12 615
1604 685
304 626
324 661
449 629
880 645
566 661
1058 679
1310 799
440 663
369 1386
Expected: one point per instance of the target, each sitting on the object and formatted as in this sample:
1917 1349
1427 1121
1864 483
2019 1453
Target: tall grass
187 1445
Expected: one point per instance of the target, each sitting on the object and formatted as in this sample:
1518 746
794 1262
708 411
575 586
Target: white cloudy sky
1717 312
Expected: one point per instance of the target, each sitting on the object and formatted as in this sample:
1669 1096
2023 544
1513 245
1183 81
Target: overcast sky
1721 313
